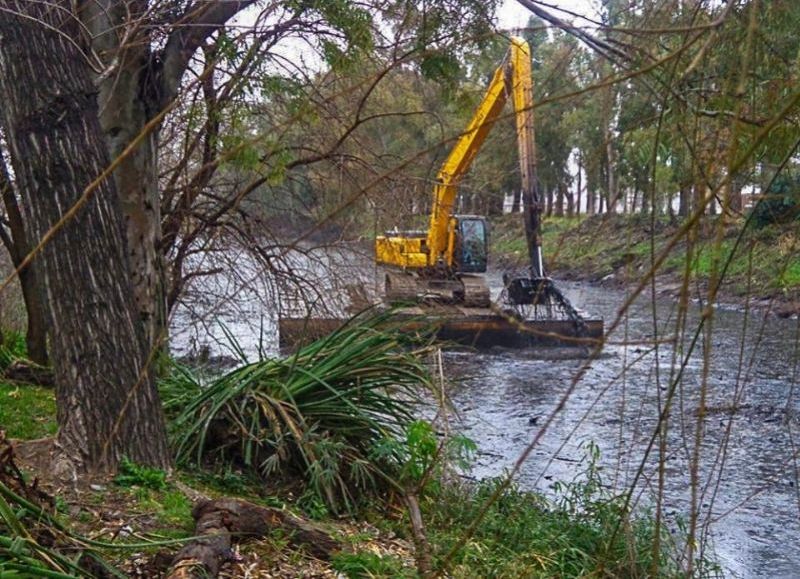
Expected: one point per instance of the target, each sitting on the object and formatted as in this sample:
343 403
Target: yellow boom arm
514 78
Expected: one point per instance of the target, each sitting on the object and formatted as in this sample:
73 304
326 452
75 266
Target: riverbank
430 519
616 250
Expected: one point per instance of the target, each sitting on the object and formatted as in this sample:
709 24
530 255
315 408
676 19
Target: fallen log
30 373
219 522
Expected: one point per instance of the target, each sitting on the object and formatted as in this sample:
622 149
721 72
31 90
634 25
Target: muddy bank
616 251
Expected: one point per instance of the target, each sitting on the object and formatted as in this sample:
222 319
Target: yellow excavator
436 274
441 264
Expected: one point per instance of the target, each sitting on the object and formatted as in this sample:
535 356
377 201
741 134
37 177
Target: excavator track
476 292
469 290
400 288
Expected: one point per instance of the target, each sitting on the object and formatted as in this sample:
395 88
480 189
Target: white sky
512 14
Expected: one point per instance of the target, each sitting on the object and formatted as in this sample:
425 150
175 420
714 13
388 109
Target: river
747 479
748 499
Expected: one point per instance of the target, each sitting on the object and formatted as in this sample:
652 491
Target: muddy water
747 498
747 483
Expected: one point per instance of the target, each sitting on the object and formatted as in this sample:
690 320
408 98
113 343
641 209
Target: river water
747 484
748 503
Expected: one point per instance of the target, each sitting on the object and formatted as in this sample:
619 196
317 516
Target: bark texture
128 98
135 87
106 398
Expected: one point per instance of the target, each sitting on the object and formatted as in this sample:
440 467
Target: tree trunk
220 521
684 198
515 200
712 206
128 100
560 200
142 85
32 293
697 194
580 186
736 185
612 196
591 195
107 403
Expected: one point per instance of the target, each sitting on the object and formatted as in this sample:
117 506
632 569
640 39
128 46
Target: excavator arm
513 78
454 246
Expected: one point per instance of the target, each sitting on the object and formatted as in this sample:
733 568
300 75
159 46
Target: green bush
781 202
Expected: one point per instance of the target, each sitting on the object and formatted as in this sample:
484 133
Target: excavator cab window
472 245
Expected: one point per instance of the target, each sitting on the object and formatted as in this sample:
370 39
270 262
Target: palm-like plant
321 410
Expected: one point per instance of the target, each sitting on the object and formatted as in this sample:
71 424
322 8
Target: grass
366 564
585 531
12 347
172 509
765 263
791 275
27 411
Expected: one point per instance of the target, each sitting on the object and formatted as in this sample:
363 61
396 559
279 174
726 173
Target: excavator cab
472 244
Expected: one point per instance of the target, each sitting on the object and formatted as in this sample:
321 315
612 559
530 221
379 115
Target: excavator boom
438 247
513 78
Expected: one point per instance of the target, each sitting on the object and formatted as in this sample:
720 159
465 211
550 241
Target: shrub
320 412
781 203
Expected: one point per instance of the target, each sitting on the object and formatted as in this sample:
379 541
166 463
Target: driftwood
219 522
23 371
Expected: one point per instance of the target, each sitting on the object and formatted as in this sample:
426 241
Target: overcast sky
513 15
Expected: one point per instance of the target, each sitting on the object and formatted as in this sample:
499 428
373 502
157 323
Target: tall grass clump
319 413
584 530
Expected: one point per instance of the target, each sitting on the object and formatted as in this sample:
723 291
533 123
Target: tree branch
190 31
